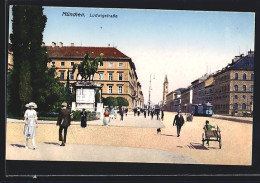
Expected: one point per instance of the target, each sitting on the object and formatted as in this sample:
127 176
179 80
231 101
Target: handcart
212 135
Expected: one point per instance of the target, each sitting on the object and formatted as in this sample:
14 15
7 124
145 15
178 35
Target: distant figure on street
64 121
151 114
31 123
138 111
106 119
135 111
112 113
145 113
162 115
126 110
157 114
121 111
179 121
83 115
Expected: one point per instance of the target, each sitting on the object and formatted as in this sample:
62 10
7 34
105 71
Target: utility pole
150 88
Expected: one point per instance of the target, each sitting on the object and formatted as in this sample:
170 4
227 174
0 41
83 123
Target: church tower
165 89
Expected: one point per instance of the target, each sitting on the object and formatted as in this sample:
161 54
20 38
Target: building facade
234 86
186 100
117 74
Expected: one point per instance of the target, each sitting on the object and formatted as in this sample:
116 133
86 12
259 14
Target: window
252 88
101 64
62 75
110 76
252 97
62 64
120 64
120 89
110 89
244 96
243 106
120 76
244 76
71 63
71 76
244 88
235 106
111 64
236 88
53 63
101 74
252 76
236 76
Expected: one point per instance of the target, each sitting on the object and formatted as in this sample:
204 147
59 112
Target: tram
202 109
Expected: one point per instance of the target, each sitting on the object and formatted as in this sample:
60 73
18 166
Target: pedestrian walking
135 111
151 114
106 119
63 121
112 113
83 115
162 115
121 111
157 114
145 113
138 111
179 121
126 110
31 123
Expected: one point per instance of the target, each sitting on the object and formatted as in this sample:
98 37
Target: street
136 140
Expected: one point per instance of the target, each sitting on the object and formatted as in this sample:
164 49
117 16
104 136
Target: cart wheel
203 139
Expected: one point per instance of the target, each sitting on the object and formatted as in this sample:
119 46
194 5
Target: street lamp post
150 88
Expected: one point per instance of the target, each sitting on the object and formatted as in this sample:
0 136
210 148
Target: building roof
243 63
80 51
246 63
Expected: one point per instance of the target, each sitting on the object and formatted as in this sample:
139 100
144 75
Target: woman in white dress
30 120
106 117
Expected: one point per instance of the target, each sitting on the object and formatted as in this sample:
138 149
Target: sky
184 45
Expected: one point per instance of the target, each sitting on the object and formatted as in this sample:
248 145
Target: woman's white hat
31 104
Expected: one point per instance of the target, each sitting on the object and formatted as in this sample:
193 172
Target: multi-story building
205 90
186 100
117 74
169 102
234 86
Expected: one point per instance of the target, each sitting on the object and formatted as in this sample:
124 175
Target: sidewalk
94 153
234 118
129 121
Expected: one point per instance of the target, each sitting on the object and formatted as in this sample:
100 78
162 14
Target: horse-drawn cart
211 135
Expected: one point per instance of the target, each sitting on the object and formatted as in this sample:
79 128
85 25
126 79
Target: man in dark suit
179 121
64 122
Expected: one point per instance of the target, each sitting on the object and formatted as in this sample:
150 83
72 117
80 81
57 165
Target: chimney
53 44
251 53
71 44
43 44
60 44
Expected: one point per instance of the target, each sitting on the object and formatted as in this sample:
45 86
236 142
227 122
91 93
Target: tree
122 101
110 101
31 79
